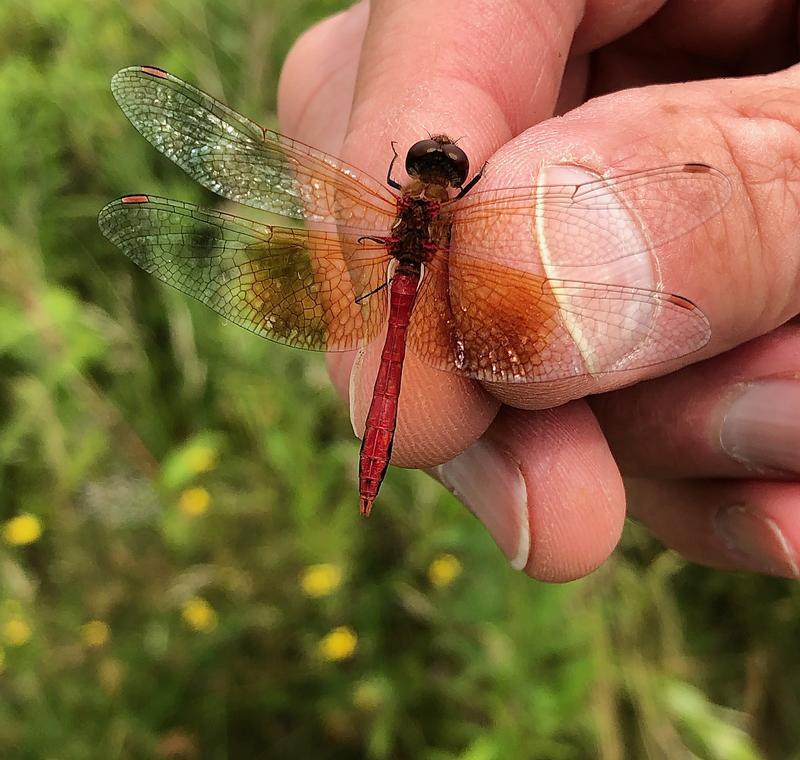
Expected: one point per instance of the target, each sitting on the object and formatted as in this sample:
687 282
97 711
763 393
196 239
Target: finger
318 79
439 415
742 268
414 79
736 415
733 525
546 487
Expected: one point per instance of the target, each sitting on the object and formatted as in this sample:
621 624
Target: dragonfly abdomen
376 446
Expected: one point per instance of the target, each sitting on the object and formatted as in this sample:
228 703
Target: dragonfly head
437 160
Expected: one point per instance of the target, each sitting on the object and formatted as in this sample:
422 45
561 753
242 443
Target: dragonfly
500 285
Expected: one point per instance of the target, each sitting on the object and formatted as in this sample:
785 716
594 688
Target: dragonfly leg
375 239
389 181
372 292
464 190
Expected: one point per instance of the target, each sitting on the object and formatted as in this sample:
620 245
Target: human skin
709 454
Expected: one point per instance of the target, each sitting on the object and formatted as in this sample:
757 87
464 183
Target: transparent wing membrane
297 287
592 223
242 161
498 324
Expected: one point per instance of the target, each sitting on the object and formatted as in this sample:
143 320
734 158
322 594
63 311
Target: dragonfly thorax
415 233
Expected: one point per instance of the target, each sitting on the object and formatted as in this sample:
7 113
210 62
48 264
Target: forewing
566 227
297 287
497 324
242 161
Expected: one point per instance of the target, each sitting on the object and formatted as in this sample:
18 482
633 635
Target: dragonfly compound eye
419 156
459 161
437 159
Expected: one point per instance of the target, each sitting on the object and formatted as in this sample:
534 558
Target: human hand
708 451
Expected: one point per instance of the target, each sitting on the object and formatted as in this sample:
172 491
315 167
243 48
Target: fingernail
490 483
762 426
351 387
758 539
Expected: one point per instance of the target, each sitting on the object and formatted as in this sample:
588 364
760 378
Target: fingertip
730 525
547 489
575 491
489 481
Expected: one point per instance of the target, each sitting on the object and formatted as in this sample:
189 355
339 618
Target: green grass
113 392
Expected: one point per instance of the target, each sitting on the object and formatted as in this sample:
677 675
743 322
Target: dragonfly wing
242 161
297 287
566 228
497 324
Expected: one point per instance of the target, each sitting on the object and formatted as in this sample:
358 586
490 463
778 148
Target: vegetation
183 570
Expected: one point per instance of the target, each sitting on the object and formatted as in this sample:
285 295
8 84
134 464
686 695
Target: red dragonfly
486 283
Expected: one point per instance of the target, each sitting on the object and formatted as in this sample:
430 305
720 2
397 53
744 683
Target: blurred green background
183 570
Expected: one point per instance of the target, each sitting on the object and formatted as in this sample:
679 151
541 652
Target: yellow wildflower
321 580
444 570
194 501
16 632
199 614
201 458
338 644
22 529
95 633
